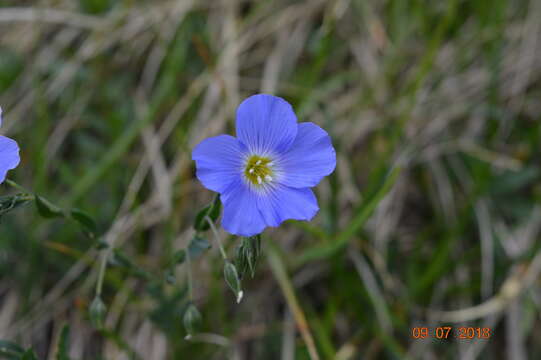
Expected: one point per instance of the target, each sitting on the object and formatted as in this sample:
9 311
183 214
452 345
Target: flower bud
97 312
232 278
192 320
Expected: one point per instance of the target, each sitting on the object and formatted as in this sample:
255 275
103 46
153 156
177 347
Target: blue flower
9 154
264 175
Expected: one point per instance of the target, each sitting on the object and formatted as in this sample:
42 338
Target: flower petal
9 156
283 203
241 216
218 161
266 124
310 158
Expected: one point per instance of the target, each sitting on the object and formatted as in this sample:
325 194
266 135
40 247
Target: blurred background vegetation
107 98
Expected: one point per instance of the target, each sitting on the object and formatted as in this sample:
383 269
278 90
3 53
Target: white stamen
259 180
268 177
251 171
258 162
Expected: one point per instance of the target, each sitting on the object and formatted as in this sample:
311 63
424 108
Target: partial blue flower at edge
265 175
9 154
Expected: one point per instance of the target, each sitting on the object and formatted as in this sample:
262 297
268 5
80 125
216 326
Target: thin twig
278 269
509 291
52 16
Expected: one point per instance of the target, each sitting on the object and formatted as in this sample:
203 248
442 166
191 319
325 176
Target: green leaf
198 246
201 223
212 211
191 320
232 278
215 210
241 261
63 344
47 209
85 220
9 203
179 257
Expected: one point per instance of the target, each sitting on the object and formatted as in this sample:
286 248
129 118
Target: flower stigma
258 170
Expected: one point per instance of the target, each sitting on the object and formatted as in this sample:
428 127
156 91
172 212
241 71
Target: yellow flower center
259 170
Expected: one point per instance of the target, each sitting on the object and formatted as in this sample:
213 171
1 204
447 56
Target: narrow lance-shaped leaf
212 211
179 257
198 246
254 244
47 209
200 222
85 220
241 260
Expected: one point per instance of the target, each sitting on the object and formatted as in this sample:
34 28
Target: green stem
17 186
101 273
216 237
189 274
